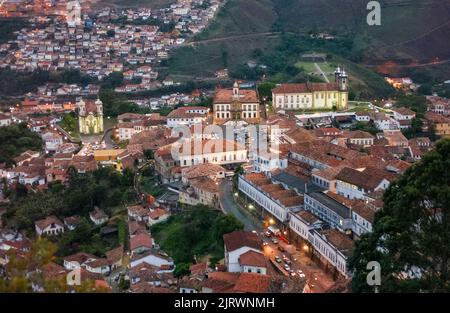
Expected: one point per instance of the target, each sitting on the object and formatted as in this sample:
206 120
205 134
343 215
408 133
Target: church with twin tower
90 117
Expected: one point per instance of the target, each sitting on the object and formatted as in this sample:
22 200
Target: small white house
237 244
253 262
49 226
98 266
154 259
98 216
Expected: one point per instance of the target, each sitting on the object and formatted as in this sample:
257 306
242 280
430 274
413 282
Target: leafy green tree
15 139
411 234
181 269
265 90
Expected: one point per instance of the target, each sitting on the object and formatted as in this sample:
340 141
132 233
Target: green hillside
410 29
233 23
409 38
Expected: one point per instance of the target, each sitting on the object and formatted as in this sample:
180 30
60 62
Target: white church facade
313 95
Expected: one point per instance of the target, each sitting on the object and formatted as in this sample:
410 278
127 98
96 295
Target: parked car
288 262
277 259
275 240
287 267
265 243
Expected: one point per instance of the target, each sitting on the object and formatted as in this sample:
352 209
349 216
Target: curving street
228 205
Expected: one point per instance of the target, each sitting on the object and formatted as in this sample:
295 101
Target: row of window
261 199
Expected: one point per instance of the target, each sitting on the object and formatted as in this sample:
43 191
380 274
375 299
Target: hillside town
300 172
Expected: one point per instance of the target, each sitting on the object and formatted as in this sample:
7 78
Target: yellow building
312 96
441 124
90 118
109 157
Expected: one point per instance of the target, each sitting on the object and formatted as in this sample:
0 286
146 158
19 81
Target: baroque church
90 117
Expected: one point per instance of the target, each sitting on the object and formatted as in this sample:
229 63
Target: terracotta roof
308 217
252 283
305 88
253 258
358 134
114 255
186 112
205 184
137 210
368 179
241 238
201 170
49 220
198 269
98 214
141 240
135 227
329 173
436 118
221 282
339 240
80 257
157 213
226 96
53 270
144 287
72 220
404 111
101 262
364 210
299 134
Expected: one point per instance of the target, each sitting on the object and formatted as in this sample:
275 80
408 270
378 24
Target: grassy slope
236 18
403 21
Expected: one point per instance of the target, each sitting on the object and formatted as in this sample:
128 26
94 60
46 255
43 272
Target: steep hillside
411 30
240 27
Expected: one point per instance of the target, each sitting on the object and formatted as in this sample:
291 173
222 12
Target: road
228 205
107 139
314 275
321 72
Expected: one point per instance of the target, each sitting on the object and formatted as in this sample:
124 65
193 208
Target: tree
265 90
182 269
411 234
149 154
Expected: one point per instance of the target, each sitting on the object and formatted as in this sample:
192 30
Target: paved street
228 206
107 139
318 279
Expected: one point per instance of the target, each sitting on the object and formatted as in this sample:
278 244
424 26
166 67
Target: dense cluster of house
129 41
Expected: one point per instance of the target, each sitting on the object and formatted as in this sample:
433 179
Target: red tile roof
241 238
141 240
253 258
252 283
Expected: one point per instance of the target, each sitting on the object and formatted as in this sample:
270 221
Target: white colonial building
313 95
187 116
215 151
273 198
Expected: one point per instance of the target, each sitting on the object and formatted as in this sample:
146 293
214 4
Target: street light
271 221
